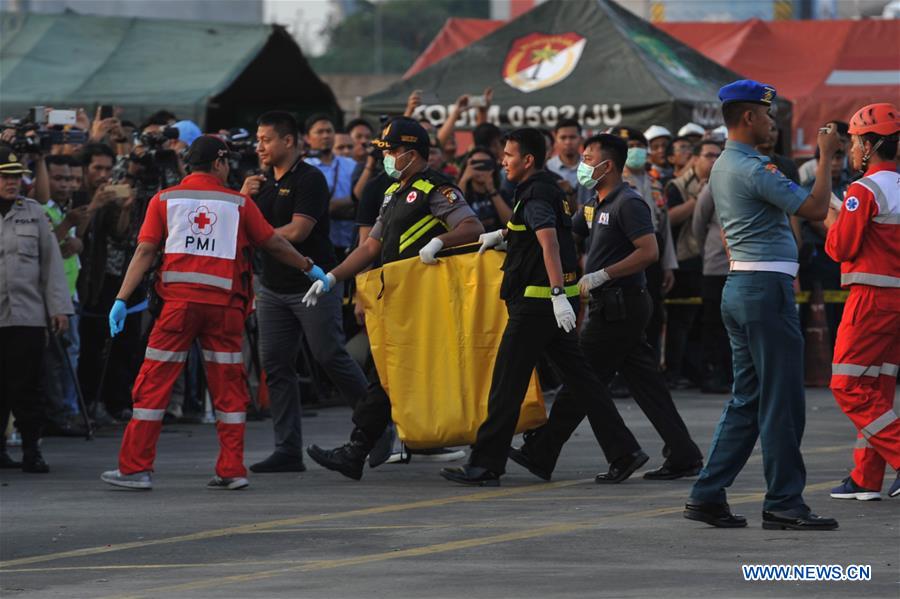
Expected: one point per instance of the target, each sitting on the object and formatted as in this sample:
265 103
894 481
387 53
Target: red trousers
864 379
220 330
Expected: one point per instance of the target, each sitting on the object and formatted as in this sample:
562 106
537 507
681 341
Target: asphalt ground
403 531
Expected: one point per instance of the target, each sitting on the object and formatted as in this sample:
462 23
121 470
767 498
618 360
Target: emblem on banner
539 60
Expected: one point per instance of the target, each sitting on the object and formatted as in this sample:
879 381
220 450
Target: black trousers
526 339
622 346
680 324
372 413
21 366
654 274
716 347
124 359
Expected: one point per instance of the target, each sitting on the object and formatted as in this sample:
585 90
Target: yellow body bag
434 332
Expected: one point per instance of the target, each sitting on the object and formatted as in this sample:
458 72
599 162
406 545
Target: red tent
455 34
827 68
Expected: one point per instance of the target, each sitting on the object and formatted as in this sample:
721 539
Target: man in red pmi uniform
865 239
205 231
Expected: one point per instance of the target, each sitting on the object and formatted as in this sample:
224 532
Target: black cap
10 163
403 131
206 149
628 134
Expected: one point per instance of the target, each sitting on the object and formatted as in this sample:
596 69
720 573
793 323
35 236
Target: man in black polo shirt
294 198
542 300
622 244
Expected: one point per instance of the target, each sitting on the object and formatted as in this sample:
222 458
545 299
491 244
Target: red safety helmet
882 119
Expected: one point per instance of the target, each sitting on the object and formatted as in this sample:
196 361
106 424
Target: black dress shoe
523 457
279 462
788 521
7 462
33 462
475 476
622 468
383 447
347 459
716 514
669 472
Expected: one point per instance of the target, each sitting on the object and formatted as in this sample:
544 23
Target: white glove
317 290
426 254
592 280
494 239
564 312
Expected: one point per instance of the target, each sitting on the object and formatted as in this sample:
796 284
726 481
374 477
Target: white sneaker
228 484
138 480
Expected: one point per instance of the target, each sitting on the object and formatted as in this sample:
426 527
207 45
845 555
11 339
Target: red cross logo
202 221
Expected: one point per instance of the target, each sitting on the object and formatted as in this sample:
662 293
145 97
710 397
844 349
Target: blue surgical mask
637 158
390 166
585 175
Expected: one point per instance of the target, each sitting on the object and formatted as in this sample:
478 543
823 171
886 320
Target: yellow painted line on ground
153 566
523 535
256 526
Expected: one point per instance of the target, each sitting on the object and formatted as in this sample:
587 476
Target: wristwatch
557 291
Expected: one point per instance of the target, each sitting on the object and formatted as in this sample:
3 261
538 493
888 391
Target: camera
155 155
32 138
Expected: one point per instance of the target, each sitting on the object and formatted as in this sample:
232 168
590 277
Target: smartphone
482 165
478 101
38 114
80 198
122 190
106 111
61 117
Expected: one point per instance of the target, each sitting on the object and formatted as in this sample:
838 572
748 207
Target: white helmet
656 131
719 133
691 129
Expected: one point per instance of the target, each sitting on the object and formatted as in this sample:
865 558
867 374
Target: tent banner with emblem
434 332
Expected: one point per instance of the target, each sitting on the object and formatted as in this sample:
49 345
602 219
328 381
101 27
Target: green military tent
591 60
217 74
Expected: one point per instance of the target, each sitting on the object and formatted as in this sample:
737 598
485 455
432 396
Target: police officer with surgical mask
621 244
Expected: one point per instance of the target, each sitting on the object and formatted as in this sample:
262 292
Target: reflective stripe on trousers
231 417
223 357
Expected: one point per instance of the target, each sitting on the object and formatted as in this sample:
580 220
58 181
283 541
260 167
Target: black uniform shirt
302 190
611 225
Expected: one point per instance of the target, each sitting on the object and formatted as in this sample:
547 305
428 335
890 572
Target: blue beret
747 90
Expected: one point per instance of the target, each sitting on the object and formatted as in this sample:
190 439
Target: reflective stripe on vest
174 276
863 443
223 357
416 231
231 417
514 227
879 424
196 194
392 188
148 415
888 369
423 186
538 292
865 278
885 216
162 355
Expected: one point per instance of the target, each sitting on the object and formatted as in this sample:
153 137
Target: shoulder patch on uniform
450 193
772 168
851 204
411 197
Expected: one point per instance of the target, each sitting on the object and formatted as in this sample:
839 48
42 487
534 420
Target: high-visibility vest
205 255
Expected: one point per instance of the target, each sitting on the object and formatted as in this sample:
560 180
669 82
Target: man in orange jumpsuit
864 236
205 232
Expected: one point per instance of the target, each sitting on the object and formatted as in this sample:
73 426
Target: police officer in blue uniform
753 200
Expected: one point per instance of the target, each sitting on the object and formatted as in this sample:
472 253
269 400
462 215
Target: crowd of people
327 189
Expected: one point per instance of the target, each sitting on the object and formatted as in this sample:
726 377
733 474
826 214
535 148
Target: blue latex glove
317 274
117 318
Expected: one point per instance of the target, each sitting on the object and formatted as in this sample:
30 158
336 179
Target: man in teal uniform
753 200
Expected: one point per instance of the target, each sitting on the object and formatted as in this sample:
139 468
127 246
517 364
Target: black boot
347 459
33 461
